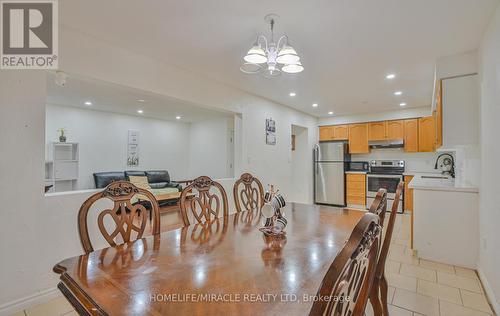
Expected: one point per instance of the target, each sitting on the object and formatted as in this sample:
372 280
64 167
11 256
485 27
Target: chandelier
271 58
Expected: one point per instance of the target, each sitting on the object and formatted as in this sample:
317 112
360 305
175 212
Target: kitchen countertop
356 172
413 173
419 183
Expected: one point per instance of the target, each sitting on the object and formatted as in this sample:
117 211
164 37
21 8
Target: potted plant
62 137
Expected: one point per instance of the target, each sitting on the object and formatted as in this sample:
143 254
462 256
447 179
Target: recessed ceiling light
178 117
398 93
330 113
141 100
390 76
402 104
140 111
292 94
88 103
315 105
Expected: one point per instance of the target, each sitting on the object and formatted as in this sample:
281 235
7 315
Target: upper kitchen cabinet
386 130
395 130
426 134
325 133
411 135
358 138
341 132
377 130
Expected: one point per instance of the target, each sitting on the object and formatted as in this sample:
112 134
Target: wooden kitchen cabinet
426 134
395 129
411 135
408 204
377 130
358 138
438 115
356 189
341 132
325 133
408 194
389 130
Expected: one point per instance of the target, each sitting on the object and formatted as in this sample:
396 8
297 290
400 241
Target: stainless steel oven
385 174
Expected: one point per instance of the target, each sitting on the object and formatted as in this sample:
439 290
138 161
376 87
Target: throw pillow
140 182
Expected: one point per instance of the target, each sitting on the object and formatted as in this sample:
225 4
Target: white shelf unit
61 166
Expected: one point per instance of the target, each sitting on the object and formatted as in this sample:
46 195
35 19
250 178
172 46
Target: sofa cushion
103 179
134 173
155 176
158 185
140 182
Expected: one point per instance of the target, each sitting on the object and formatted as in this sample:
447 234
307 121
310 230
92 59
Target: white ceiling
347 47
117 99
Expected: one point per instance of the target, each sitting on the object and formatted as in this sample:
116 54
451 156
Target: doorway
300 164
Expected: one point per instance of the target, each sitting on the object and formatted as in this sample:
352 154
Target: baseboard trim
489 292
29 301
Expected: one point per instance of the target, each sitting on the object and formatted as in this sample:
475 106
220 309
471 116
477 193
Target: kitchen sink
434 177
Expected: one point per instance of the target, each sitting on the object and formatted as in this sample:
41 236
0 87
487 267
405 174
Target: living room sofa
158 180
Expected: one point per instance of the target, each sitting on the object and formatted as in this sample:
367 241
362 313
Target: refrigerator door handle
316 151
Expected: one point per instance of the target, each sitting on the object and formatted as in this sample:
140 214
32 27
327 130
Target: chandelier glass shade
270 58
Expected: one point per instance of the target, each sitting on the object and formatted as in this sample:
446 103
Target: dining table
222 267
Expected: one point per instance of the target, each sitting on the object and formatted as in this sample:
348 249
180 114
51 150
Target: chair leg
383 294
374 298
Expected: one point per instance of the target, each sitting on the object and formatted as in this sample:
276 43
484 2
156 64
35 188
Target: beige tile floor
416 287
421 287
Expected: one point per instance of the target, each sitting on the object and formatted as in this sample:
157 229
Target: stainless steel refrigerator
330 160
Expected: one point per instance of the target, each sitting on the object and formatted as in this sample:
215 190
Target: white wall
456 65
415 162
490 152
38 232
208 148
461 125
102 138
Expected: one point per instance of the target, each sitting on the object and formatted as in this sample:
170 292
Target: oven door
374 182
369 201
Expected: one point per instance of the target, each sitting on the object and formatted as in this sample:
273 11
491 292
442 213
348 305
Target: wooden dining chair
379 205
248 191
128 217
346 286
378 295
205 199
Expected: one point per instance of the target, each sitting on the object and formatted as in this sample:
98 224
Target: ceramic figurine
275 221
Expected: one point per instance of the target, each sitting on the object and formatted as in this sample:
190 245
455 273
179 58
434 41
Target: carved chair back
248 191
205 199
379 205
127 217
346 286
378 296
389 229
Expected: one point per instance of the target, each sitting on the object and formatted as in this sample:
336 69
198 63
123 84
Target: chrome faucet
452 171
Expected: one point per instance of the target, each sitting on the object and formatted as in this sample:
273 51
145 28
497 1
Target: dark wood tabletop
216 269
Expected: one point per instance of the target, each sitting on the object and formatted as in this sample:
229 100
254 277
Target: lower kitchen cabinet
408 194
356 189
